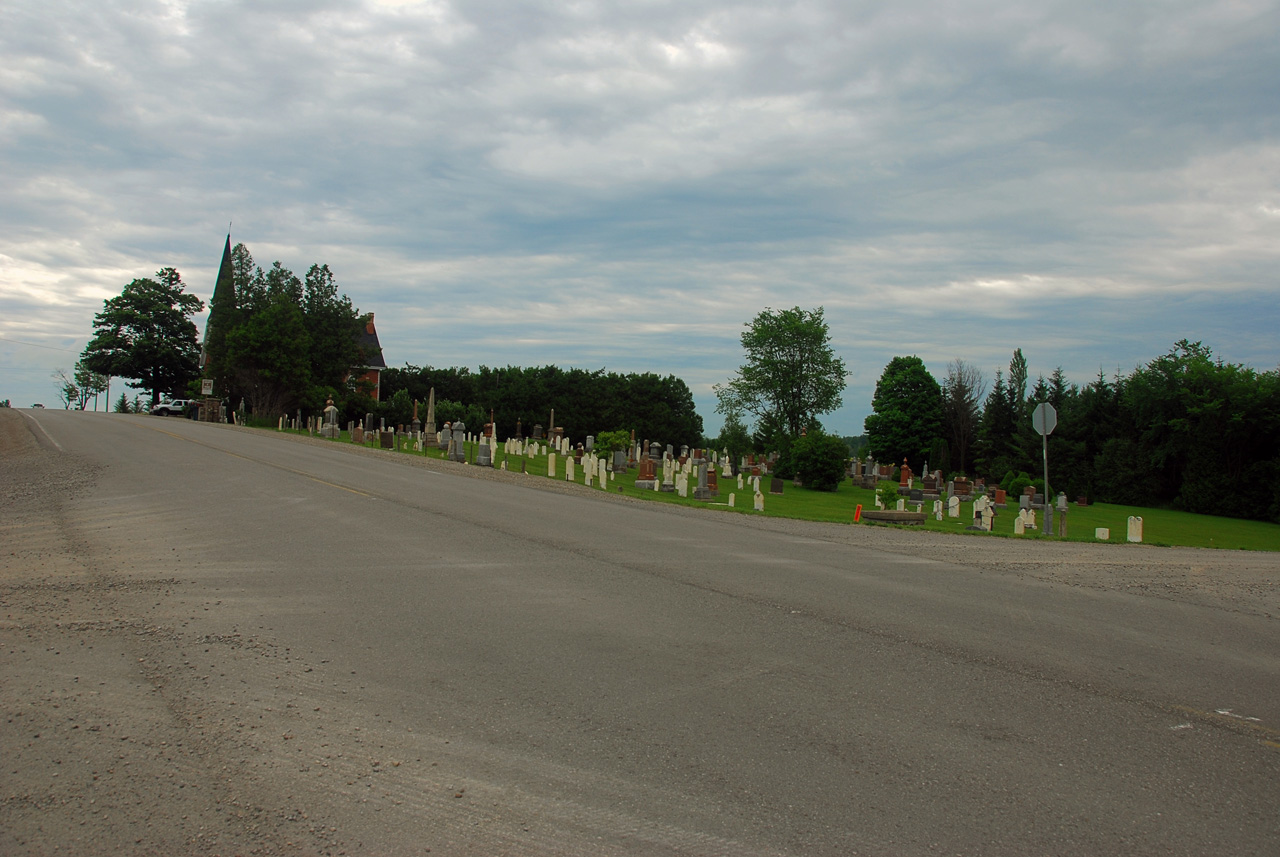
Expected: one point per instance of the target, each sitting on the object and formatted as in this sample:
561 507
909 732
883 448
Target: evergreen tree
146 336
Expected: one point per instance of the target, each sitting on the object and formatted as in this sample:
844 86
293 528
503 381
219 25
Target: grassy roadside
1160 526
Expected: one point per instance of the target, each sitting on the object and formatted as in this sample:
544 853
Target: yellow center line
303 474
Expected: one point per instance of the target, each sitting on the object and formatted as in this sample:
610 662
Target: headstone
357 434
902 505
916 495
1019 525
731 499
484 455
446 437
775 485
537 431
703 491
1102 533
620 461
740 481
1000 496
568 470
602 472
1135 529
759 502
387 439
459 452
590 443
937 510
648 474
953 507
713 483
551 464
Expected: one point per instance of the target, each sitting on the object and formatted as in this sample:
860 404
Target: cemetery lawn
1165 527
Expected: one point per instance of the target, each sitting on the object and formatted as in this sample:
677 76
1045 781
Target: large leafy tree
269 354
792 374
146 335
907 414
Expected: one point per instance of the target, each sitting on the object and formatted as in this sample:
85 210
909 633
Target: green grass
1160 526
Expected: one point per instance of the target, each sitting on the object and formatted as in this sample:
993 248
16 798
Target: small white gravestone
725 470
953 507
759 502
732 496
902 505
755 484
1031 519
1102 533
1019 525
879 502
588 473
1135 529
568 469
682 486
603 474
551 464
740 485
937 510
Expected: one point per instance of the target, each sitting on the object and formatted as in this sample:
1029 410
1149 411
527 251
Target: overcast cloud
624 185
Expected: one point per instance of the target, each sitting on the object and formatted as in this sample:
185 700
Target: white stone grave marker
1135 529
1102 533
759 502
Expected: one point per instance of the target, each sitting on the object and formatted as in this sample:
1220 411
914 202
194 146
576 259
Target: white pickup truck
168 408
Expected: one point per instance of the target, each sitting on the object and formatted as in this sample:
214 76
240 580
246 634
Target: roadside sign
206 387
1044 419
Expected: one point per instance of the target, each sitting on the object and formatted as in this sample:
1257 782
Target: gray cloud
625 185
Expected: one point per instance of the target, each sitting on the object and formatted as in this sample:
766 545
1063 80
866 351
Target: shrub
819 460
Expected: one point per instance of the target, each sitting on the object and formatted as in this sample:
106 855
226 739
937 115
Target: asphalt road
296 647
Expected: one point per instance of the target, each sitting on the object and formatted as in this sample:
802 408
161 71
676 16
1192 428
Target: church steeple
222 308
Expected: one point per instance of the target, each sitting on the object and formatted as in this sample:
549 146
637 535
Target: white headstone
1102 533
551 464
740 485
759 502
902 505
603 474
731 499
568 469
1019 525
1135 529
953 507
937 510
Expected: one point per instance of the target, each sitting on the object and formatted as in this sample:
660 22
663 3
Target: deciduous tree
792 375
907 414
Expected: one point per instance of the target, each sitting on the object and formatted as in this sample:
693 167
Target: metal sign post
1044 419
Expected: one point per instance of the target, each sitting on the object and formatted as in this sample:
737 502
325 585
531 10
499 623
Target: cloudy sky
624 185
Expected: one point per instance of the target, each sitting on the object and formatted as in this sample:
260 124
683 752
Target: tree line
1184 430
585 402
